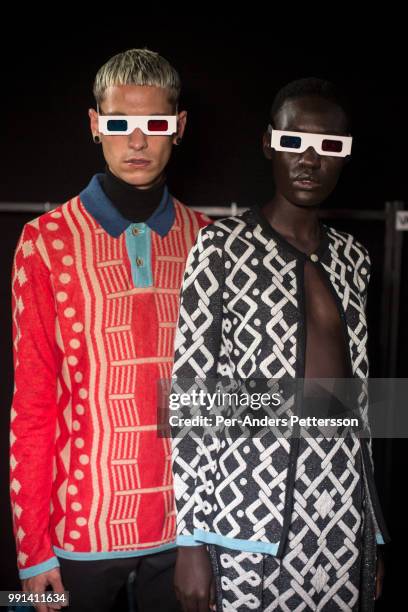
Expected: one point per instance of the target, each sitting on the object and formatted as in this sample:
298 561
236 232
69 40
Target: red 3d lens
157 125
335 146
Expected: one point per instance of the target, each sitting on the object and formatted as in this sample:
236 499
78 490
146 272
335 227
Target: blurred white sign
401 221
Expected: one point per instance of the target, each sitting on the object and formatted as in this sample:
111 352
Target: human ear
93 123
181 126
266 145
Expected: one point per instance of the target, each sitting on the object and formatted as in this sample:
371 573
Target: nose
137 140
310 159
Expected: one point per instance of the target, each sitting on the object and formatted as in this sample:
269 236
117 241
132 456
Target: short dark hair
311 86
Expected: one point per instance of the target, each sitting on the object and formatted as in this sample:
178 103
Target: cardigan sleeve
367 270
197 345
34 407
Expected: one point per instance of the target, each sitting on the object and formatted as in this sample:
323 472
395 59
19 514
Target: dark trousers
107 586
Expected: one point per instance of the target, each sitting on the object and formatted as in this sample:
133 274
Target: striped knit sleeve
197 344
33 413
203 220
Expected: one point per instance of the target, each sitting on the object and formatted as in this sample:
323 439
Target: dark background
230 71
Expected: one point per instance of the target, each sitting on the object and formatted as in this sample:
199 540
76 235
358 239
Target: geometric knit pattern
320 569
241 317
88 471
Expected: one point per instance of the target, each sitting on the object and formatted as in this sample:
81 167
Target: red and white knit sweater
90 477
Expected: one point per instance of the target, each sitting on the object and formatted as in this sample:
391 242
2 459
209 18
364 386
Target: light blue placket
138 245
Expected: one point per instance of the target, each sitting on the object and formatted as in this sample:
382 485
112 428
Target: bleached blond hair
137 67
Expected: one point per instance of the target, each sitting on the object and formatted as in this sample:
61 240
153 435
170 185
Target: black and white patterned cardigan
242 315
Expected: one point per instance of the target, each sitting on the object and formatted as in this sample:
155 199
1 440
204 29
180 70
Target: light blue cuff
187 541
379 538
208 537
34 570
123 554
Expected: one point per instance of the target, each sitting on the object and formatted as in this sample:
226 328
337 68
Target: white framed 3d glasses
298 142
151 125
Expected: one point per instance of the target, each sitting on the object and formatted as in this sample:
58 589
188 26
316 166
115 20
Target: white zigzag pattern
260 325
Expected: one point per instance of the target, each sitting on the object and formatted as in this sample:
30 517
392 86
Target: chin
307 199
139 179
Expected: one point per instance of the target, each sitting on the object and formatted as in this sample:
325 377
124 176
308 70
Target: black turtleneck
135 204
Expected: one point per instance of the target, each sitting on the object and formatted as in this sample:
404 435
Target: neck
299 223
135 204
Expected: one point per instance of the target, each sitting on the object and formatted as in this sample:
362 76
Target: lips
137 162
306 181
